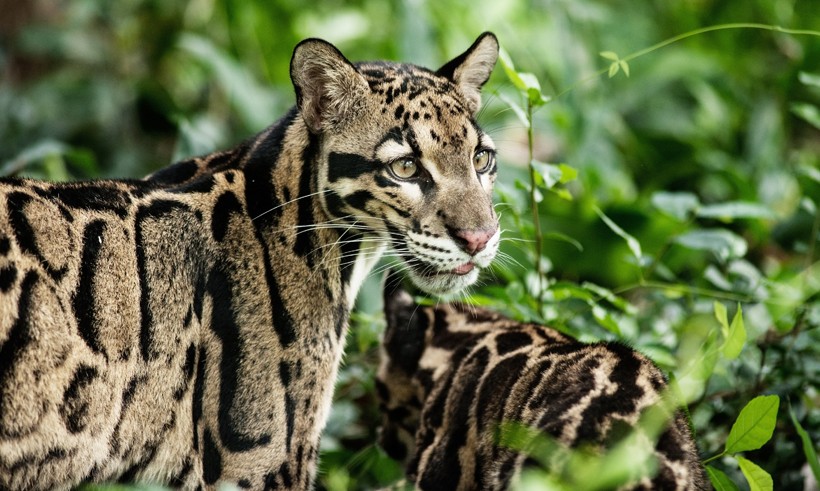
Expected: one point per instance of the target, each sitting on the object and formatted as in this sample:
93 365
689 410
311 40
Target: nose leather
473 241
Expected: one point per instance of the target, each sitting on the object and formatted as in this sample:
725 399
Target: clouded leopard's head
402 157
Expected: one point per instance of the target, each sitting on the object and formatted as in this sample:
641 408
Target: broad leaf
808 446
723 243
720 481
807 78
722 318
678 205
758 479
754 425
736 336
733 210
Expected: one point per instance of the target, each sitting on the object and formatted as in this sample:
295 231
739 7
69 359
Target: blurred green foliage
694 180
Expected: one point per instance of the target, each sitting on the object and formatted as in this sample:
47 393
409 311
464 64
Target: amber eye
482 160
405 168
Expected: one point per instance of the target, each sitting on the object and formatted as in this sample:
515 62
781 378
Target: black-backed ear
329 89
471 69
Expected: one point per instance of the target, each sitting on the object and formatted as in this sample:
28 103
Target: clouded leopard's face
402 157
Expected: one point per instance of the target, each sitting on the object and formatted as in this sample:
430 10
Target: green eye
483 160
405 168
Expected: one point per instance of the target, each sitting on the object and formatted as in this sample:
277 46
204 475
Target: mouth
444 282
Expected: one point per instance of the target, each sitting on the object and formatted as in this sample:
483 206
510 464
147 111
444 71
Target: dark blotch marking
155 210
203 184
18 338
225 327
187 371
175 174
226 204
74 409
5 245
199 392
303 246
350 166
511 341
90 197
8 275
83 300
24 233
211 459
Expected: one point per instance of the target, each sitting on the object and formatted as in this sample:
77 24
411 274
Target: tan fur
187 329
452 376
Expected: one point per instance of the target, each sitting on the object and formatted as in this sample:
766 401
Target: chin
443 283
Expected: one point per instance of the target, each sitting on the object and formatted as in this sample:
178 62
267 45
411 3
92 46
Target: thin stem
685 35
534 202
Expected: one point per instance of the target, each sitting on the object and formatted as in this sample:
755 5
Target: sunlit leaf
609 55
807 78
733 210
754 426
736 336
676 204
509 70
631 241
613 69
567 173
722 318
722 242
720 480
808 446
758 479
624 66
807 112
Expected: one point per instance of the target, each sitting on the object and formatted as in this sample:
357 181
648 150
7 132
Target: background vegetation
689 191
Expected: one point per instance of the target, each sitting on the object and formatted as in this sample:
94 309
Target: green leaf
678 205
736 209
509 70
807 78
754 425
722 242
736 336
624 66
758 479
551 173
631 241
722 318
808 446
518 110
720 480
613 69
567 173
610 55
807 112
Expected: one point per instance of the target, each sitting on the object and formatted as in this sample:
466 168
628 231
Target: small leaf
509 70
736 209
758 479
551 173
631 241
610 55
807 112
807 78
613 69
808 446
754 425
722 242
720 481
722 318
624 66
736 337
567 173
678 205
518 110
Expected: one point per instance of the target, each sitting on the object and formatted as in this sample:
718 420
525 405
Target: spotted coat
452 376
186 329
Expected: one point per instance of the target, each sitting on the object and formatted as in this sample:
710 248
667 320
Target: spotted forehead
421 103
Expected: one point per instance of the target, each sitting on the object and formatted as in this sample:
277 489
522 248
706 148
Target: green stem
534 202
714 457
688 34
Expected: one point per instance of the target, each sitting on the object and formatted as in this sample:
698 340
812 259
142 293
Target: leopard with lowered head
453 375
186 329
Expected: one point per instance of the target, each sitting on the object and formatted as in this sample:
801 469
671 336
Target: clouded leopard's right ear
329 89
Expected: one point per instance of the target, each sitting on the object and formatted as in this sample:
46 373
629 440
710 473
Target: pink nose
473 241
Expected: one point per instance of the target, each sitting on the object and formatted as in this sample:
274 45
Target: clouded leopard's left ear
471 69
329 89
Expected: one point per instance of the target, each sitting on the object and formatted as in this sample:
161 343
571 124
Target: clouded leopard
451 375
187 328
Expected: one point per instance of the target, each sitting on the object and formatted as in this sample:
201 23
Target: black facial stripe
349 165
